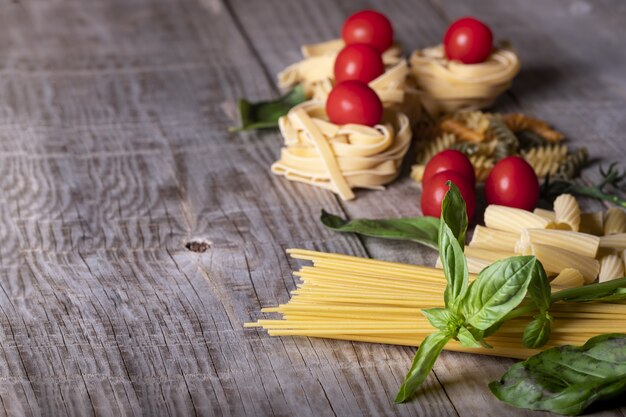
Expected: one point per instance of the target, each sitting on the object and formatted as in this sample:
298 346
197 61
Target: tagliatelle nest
340 158
315 73
450 86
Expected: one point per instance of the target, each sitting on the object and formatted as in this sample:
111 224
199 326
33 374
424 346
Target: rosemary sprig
613 176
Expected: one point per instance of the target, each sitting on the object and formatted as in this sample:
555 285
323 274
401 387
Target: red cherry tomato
434 190
512 182
468 40
449 160
370 27
358 62
354 102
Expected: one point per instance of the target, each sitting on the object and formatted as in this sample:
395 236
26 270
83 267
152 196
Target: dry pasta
449 86
613 242
431 148
615 221
546 214
513 220
567 212
488 238
569 278
461 131
580 243
519 122
340 158
611 267
555 260
489 255
349 298
547 159
482 166
315 73
592 223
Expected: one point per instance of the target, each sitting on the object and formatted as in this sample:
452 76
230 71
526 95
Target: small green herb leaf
454 267
567 379
498 289
614 290
537 333
422 230
454 214
265 114
423 362
467 338
452 228
539 289
440 318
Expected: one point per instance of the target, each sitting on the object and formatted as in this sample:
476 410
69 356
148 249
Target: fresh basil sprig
265 114
470 310
567 379
422 230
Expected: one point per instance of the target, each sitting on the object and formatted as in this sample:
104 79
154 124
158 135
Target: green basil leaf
265 114
452 228
440 318
454 268
423 362
539 289
454 214
498 289
567 379
537 333
467 338
614 290
422 230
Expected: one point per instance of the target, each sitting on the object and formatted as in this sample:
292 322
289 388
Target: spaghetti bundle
449 86
340 158
351 298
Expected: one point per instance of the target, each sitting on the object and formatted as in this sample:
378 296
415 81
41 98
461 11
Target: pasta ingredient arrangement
350 298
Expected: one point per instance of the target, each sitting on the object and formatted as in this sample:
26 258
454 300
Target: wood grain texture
114 154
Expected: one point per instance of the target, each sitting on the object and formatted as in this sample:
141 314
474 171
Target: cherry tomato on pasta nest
449 160
354 102
358 62
512 182
370 27
468 40
434 190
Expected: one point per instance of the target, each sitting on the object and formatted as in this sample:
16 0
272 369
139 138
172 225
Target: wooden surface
114 155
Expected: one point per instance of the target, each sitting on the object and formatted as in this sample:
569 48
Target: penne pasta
580 243
487 254
556 260
611 267
488 238
615 242
513 220
546 214
567 212
615 221
568 278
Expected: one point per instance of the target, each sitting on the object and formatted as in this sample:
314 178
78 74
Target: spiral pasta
449 86
518 122
546 159
482 166
340 158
